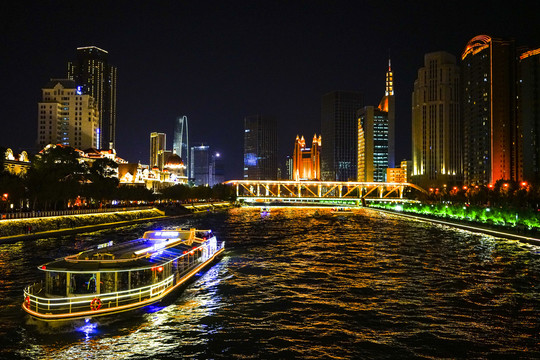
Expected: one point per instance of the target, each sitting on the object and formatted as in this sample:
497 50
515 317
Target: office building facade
260 148
181 139
94 76
217 170
200 165
490 130
436 128
372 144
529 113
339 129
157 150
67 117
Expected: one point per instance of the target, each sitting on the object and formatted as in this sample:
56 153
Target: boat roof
153 249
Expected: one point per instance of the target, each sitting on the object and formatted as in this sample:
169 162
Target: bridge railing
320 189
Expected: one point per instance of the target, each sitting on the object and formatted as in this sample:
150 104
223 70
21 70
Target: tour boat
112 278
265 210
341 211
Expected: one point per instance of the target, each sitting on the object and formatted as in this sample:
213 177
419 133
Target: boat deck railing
91 304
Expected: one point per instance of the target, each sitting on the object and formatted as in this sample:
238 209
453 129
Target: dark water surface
303 284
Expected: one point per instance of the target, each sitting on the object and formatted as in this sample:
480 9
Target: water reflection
303 283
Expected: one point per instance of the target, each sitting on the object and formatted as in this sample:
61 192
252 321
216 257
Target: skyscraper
489 110
94 75
529 112
181 139
376 135
217 171
436 131
200 165
260 148
339 130
157 150
67 117
372 144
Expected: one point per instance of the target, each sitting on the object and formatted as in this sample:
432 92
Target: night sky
217 62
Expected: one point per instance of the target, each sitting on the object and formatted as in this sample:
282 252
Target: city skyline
220 64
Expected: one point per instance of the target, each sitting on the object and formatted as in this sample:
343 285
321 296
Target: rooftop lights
155 247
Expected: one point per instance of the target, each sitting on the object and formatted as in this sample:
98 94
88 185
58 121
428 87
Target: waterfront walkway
507 234
193 208
75 230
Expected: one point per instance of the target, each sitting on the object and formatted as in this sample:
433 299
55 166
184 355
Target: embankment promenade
511 233
14 230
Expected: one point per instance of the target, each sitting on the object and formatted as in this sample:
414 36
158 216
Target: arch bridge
320 192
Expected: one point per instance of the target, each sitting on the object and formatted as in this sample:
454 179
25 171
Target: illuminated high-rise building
260 148
339 130
67 117
94 76
372 144
376 135
436 128
157 150
289 168
307 161
181 139
529 112
490 130
217 171
200 165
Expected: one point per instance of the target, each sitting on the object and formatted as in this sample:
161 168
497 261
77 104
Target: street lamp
5 198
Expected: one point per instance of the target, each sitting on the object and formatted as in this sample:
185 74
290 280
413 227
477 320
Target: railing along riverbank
513 233
49 213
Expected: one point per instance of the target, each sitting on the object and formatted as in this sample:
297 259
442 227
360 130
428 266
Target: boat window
56 283
107 283
159 272
123 281
83 283
141 278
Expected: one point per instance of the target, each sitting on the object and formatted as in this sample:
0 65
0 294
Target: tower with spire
387 105
376 135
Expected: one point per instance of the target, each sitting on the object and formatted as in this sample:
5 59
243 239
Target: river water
301 283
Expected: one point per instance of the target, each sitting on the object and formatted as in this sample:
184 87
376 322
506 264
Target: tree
101 182
55 177
14 188
176 192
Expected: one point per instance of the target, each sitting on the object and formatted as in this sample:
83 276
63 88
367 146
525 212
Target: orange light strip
529 53
476 44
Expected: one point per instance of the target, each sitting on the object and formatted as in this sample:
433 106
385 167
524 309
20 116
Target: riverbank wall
34 228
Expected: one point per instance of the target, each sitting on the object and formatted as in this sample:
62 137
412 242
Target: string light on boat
104 245
161 234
